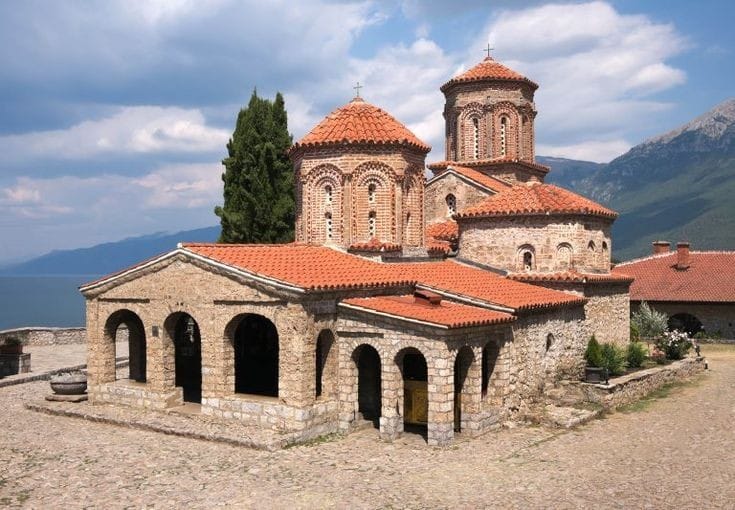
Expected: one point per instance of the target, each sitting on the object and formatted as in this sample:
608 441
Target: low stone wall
12 364
46 336
134 394
633 387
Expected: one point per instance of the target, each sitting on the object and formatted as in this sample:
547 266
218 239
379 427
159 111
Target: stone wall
713 316
46 336
501 242
11 364
435 196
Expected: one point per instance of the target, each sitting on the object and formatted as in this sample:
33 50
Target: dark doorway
125 323
461 368
490 354
324 343
256 356
368 383
415 391
685 322
188 347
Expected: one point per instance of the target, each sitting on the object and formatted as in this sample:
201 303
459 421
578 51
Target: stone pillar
440 430
100 348
347 388
296 369
471 397
391 420
211 344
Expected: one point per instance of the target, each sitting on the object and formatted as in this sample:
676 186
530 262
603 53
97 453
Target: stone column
100 348
440 430
472 396
391 420
347 387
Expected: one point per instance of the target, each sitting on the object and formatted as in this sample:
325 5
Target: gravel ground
675 452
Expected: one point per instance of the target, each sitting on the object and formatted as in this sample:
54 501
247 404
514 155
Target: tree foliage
258 178
648 322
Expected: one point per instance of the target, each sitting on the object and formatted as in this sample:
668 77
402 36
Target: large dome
488 70
360 122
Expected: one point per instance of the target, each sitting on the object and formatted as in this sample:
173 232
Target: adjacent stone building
397 304
696 289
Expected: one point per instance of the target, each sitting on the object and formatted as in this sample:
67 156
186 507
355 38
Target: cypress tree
258 177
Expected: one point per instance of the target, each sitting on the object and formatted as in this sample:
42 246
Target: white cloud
599 151
182 186
133 129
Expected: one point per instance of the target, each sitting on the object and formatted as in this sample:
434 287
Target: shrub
674 344
593 353
635 334
613 359
635 353
649 322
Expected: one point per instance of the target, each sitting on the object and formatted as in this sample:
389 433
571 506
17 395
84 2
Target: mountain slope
109 257
677 186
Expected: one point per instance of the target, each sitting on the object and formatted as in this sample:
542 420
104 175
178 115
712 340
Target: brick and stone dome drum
359 180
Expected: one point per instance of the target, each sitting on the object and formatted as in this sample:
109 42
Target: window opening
451 205
328 225
503 135
476 137
527 261
328 194
371 193
371 224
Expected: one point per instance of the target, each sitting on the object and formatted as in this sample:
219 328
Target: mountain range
678 186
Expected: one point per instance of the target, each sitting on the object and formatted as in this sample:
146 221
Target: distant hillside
677 186
109 257
568 172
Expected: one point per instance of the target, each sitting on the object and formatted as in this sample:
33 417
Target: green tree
259 187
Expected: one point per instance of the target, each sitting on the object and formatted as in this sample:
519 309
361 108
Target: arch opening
462 364
325 373
184 331
414 372
490 353
685 322
369 387
451 205
122 325
255 345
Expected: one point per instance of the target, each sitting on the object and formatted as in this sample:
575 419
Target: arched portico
414 373
369 384
115 325
183 332
254 340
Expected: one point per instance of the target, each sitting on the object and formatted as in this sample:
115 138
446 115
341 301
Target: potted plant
12 345
594 371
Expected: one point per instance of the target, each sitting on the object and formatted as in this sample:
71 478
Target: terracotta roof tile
360 122
445 314
445 231
484 180
479 284
305 266
533 198
709 278
479 163
570 276
374 245
488 69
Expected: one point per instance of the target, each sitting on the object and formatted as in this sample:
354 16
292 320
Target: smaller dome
361 123
490 70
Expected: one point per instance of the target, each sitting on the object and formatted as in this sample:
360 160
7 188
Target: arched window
328 225
476 137
451 205
371 224
591 246
604 246
549 341
372 188
527 261
503 135
327 194
564 256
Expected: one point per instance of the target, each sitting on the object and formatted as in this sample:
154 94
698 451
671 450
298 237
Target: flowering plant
675 344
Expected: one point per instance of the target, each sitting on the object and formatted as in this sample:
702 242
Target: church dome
488 70
360 122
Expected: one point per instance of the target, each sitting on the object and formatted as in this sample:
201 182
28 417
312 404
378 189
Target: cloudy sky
114 115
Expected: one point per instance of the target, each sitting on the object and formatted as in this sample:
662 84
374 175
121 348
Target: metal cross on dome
488 50
357 88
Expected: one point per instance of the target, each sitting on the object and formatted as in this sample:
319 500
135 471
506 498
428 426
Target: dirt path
676 452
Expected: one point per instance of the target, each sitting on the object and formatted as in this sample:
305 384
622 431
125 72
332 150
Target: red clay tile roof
478 163
445 231
360 122
487 181
533 198
305 266
374 245
445 314
488 69
710 277
458 279
571 276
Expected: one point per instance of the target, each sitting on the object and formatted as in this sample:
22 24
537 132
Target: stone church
443 306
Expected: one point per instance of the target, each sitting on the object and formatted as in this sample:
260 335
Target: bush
648 322
593 353
674 344
635 354
635 334
613 359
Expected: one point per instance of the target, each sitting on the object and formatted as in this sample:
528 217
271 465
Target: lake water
42 301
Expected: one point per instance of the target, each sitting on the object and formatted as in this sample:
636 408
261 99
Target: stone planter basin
69 384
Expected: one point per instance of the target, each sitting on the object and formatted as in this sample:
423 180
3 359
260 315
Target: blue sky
114 114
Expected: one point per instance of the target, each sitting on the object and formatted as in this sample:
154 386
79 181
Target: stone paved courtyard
676 452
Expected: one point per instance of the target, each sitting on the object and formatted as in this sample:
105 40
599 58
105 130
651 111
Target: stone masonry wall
46 336
715 317
435 196
500 242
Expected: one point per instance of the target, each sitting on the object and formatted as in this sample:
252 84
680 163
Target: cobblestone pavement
677 452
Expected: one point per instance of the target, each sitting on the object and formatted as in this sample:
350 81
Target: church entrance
368 383
415 390
256 356
188 356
